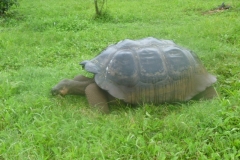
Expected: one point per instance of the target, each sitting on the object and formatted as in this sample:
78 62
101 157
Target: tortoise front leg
97 98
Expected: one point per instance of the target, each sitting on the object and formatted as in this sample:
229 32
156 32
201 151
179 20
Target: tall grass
43 42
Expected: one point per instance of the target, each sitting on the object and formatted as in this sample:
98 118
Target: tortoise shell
149 70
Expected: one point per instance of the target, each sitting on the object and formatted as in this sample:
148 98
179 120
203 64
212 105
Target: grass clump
40 46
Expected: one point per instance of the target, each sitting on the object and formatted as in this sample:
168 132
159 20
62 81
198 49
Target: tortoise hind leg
208 93
97 98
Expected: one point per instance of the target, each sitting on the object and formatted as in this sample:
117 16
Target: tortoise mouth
61 92
54 92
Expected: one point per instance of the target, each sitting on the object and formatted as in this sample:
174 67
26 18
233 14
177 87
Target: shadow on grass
12 15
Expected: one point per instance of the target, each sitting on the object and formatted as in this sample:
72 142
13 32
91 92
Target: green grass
42 42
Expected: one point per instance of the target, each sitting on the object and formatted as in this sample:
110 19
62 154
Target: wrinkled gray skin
142 71
79 85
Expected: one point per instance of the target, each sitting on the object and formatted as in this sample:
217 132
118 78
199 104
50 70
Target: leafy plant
6 4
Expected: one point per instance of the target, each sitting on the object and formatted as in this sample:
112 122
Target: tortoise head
62 88
72 86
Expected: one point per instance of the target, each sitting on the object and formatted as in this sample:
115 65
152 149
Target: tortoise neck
78 87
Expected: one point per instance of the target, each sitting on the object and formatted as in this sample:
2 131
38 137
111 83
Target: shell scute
122 68
151 65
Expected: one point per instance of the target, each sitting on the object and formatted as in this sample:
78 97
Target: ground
42 42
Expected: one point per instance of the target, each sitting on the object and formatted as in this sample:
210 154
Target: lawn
42 42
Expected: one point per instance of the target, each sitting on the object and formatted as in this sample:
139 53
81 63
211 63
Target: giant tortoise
148 70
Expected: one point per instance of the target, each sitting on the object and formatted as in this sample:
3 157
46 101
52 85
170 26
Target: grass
42 42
